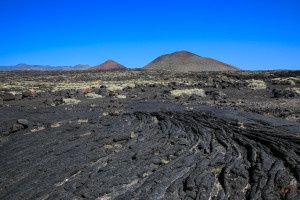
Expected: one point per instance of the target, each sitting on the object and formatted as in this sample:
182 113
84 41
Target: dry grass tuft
256 84
189 92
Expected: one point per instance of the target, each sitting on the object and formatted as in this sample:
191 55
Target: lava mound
155 151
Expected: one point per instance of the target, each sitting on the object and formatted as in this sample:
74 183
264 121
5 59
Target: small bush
71 101
113 88
285 81
128 85
296 90
256 84
189 92
132 135
121 96
93 96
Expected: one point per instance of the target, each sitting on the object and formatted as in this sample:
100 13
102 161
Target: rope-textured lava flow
192 155
164 154
230 160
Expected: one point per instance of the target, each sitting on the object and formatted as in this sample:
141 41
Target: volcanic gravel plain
136 134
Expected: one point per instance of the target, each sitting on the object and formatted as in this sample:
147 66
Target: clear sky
249 34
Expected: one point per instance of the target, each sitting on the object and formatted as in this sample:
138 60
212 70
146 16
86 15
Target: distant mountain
23 66
108 65
187 61
80 67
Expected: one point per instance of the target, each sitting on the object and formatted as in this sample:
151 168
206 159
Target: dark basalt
285 94
153 151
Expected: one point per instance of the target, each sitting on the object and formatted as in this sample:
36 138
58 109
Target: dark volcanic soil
233 138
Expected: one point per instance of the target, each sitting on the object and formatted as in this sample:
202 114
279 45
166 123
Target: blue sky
248 34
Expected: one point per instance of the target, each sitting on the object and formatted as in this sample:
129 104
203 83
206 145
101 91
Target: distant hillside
108 65
186 61
23 66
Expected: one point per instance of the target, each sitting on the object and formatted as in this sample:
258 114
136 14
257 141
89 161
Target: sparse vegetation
55 125
256 84
189 92
81 121
217 170
93 96
71 101
241 125
121 96
286 81
105 114
113 88
132 135
164 161
294 89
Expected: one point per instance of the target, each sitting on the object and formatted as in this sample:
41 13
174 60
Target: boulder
86 90
49 102
71 93
24 122
29 93
8 97
20 125
1 101
16 127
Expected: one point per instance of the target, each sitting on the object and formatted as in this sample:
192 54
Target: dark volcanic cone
108 65
186 61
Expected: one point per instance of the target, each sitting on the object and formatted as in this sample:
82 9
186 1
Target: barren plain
137 134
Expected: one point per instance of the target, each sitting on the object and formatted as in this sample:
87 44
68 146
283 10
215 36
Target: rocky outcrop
21 124
29 93
285 94
9 96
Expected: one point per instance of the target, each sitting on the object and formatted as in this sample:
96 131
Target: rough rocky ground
148 136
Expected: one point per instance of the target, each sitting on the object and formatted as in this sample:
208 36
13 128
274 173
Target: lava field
211 136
